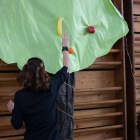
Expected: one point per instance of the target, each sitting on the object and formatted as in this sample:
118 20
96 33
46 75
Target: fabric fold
65 107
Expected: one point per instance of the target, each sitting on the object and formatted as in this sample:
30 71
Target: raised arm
65 43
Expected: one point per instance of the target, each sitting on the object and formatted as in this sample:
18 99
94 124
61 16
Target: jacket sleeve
17 114
60 77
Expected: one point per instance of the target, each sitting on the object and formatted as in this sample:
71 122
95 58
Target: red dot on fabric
91 29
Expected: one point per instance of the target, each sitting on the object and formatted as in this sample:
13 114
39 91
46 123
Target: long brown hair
33 75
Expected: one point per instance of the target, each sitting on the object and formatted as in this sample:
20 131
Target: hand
10 106
65 39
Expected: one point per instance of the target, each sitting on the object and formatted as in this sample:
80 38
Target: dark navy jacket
38 110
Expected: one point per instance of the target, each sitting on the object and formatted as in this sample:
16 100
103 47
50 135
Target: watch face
65 48
32 28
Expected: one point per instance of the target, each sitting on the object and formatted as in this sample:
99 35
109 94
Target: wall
100 98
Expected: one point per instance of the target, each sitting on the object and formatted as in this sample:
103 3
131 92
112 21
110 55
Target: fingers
68 35
65 33
10 106
9 103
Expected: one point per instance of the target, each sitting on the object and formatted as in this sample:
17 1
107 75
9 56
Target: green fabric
28 28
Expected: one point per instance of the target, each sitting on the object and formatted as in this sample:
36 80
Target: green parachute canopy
28 28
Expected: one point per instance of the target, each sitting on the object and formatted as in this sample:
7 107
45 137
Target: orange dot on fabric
71 51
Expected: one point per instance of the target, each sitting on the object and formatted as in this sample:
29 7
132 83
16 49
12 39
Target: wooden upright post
130 84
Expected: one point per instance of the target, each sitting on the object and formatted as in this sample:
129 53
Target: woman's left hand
10 106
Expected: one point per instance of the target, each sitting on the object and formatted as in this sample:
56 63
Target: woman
35 104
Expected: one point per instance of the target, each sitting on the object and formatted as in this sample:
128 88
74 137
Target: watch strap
65 48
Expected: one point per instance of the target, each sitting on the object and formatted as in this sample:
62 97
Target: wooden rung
76 91
79 131
93 129
98 129
120 138
5 125
108 63
137 38
137 52
137 63
2 64
136 1
9 65
13 138
89 103
115 50
22 138
99 89
137 66
98 116
137 75
99 102
136 18
138 100
3 110
7 79
7 94
137 112
138 87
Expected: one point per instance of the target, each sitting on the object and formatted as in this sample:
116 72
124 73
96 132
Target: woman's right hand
65 39
65 42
